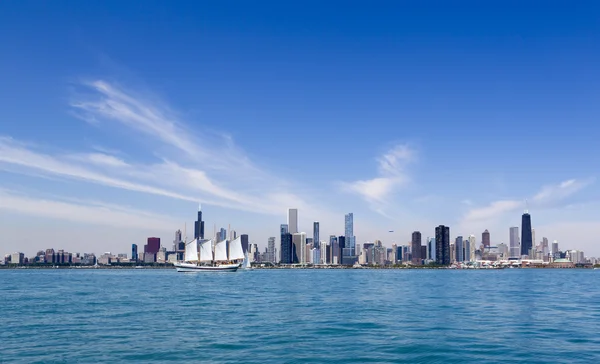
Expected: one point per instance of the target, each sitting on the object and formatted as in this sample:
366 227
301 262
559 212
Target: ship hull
191 268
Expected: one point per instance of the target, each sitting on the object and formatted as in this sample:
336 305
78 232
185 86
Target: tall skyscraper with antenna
199 225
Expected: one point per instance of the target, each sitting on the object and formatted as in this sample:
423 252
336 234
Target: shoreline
154 267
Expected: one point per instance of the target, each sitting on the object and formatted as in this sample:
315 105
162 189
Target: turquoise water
297 316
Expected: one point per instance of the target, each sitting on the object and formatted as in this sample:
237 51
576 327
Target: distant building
316 238
458 245
416 248
514 246
431 248
153 246
271 250
134 252
472 247
245 242
349 232
299 248
286 245
485 239
17 258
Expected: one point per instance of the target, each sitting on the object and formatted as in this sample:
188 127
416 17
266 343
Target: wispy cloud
191 165
91 212
392 175
549 196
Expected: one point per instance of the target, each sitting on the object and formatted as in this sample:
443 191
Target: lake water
299 316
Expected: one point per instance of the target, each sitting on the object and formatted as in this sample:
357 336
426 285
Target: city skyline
458 122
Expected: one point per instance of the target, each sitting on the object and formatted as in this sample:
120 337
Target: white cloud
392 175
90 212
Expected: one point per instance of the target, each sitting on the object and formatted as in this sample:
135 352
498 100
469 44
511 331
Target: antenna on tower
526 207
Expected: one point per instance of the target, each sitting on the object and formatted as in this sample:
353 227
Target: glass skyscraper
442 245
349 231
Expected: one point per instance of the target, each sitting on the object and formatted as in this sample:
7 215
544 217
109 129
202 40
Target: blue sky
117 118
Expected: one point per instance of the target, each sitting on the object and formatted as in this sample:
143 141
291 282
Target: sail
221 250
206 254
191 251
246 264
235 249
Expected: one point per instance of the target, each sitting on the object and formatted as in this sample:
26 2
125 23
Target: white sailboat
211 257
246 263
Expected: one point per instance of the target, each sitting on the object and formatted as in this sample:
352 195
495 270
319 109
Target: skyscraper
472 247
442 245
293 221
485 239
431 246
286 246
458 245
299 248
416 248
526 237
177 240
199 225
316 240
134 252
349 231
515 249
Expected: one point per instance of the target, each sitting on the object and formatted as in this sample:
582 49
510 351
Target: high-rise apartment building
458 245
134 252
442 245
472 247
416 248
349 232
431 248
316 239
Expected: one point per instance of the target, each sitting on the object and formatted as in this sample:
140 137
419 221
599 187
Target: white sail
191 251
221 250
206 253
246 264
235 249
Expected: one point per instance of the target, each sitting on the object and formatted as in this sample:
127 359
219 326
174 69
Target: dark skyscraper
485 239
442 245
134 253
526 235
458 245
286 245
153 246
416 247
316 241
199 225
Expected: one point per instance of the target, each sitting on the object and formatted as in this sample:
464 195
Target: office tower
458 245
472 247
271 250
244 239
199 225
526 238
323 252
299 248
134 252
514 246
232 235
316 240
222 234
533 242
423 254
485 239
153 246
292 221
466 250
416 248
431 248
394 259
349 231
342 245
286 248
442 245
554 247
177 240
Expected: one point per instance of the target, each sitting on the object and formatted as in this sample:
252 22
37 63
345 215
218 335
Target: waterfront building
442 245
526 236
394 258
515 248
416 248
17 258
271 250
466 250
324 259
555 247
293 221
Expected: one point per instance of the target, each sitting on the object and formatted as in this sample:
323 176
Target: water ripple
299 316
